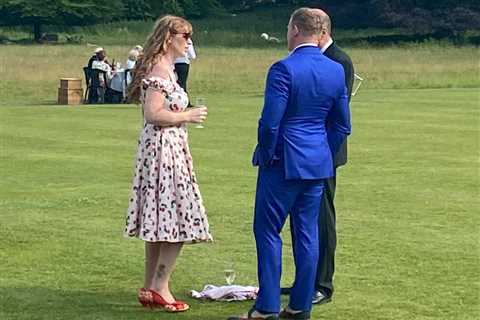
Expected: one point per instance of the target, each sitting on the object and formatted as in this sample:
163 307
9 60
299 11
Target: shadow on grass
49 303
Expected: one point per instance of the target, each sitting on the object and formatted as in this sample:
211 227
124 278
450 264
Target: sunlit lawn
407 200
30 74
407 209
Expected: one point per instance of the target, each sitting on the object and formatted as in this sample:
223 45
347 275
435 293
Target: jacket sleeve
339 126
349 76
277 91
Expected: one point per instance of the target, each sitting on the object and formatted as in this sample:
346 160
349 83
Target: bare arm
156 114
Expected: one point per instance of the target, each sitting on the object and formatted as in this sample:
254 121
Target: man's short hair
310 21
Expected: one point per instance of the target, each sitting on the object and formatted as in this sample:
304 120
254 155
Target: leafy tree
186 8
165 7
57 12
200 8
137 9
446 17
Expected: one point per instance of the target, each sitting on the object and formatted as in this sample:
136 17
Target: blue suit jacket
305 115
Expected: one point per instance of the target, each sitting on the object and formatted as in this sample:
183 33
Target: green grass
32 77
408 232
407 201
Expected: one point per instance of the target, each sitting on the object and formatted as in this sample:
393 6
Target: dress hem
186 241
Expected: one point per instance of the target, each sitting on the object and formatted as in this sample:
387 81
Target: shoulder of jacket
341 54
282 64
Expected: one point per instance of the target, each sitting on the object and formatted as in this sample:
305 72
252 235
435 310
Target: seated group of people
107 82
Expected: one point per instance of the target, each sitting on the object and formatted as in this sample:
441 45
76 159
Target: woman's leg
152 251
165 265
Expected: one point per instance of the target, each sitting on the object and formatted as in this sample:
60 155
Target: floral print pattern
165 203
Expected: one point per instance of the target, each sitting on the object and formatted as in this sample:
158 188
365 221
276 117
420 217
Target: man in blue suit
303 92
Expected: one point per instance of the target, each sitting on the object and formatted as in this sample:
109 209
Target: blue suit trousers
276 197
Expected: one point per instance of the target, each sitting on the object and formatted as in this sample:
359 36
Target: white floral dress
165 203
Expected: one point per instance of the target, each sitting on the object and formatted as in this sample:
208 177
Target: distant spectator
132 58
139 48
99 55
130 64
99 79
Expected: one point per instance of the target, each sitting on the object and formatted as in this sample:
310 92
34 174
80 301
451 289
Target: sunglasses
185 35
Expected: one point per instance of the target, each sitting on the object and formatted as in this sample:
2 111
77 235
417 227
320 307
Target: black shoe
285 290
303 315
250 317
320 298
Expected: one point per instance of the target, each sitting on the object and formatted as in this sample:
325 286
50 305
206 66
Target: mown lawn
407 209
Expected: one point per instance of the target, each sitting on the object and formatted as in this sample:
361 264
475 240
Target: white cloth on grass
226 293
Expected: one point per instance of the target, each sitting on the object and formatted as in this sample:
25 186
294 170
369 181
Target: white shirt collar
306 44
328 44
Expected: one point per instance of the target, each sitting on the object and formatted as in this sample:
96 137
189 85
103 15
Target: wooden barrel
70 91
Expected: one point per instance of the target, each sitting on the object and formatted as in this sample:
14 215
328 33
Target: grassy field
32 77
407 201
408 235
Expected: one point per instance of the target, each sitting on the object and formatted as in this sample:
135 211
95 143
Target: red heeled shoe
145 297
152 299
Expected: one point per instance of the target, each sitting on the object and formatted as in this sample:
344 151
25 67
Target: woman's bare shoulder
159 71
159 80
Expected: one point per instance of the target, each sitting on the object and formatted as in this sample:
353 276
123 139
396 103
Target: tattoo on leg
161 271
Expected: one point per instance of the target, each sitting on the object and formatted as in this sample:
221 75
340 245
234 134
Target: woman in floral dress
166 208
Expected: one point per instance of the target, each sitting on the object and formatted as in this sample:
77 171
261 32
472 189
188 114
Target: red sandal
152 299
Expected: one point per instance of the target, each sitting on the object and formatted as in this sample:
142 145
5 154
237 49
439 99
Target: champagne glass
200 101
357 82
230 275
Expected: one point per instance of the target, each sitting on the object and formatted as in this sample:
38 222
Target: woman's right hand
197 114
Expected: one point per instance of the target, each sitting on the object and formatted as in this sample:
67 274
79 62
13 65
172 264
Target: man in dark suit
327 216
305 97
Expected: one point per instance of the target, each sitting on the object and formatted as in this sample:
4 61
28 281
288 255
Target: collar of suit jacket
327 45
306 44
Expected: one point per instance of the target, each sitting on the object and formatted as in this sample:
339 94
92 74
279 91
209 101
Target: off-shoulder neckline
157 78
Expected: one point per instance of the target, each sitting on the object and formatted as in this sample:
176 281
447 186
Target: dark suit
327 217
181 69
304 92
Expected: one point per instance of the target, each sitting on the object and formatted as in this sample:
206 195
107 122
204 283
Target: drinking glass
230 275
357 82
200 101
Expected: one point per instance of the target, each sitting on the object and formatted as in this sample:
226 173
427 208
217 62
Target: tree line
447 16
